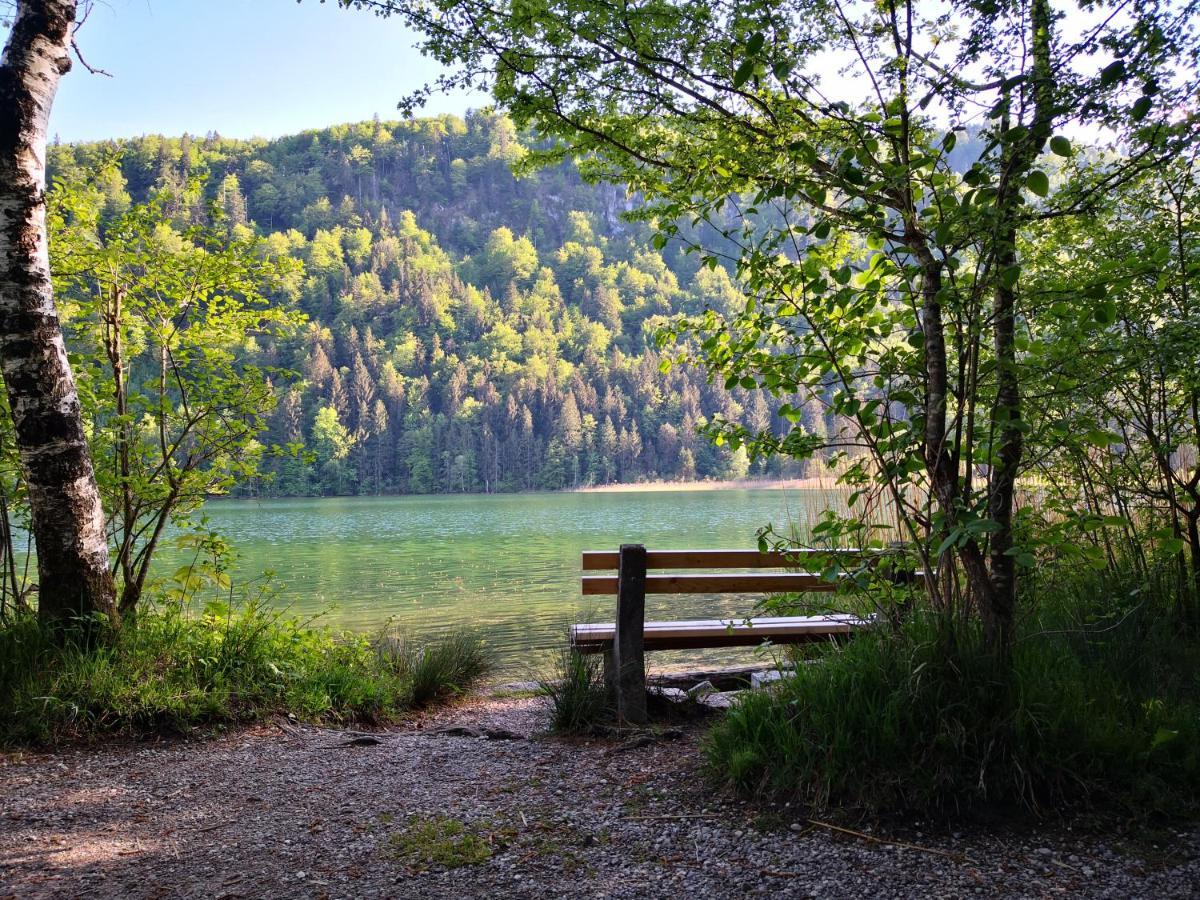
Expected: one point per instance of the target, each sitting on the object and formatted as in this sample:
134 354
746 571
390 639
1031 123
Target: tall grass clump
1101 707
579 698
169 671
440 668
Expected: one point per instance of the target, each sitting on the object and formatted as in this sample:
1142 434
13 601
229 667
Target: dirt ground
494 809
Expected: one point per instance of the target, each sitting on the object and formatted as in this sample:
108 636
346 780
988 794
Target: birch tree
67 517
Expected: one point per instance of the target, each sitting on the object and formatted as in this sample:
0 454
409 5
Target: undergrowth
1101 708
168 671
579 698
581 702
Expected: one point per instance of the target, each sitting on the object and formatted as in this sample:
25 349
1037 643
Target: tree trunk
68 520
999 612
943 479
1187 607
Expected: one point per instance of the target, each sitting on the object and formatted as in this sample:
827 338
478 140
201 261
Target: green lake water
505 564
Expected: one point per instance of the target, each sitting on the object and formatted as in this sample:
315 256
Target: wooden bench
628 638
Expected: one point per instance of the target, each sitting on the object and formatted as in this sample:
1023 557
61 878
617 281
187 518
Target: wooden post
629 659
610 672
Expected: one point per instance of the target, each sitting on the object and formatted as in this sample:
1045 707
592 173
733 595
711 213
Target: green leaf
1173 545
982 526
1163 736
755 44
1140 108
1112 73
743 73
789 412
1105 313
949 542
1038 182
1060 146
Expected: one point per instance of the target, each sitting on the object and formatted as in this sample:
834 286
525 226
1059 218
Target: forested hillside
467 330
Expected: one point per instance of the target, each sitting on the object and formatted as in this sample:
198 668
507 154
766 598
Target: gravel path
286 812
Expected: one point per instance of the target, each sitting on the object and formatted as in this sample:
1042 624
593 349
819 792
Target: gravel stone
290 811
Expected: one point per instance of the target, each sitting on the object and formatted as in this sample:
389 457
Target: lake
507 564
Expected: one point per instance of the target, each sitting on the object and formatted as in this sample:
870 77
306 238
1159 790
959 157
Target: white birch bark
68 519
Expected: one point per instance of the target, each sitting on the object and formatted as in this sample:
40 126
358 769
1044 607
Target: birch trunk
68 520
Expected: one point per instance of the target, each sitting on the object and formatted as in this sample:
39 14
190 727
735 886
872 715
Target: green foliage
162 321
1102 707
168 671
579 698
454 312
883 272
1120 420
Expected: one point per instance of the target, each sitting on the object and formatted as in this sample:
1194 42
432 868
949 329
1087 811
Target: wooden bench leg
628 653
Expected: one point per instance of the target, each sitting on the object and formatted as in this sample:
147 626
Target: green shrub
1102 707
579 697
168 671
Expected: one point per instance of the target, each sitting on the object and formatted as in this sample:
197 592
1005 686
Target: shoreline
818 483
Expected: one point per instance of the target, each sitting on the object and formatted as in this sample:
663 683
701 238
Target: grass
1102 709
437 668
581 703
425 842
438 841
579 698
171 672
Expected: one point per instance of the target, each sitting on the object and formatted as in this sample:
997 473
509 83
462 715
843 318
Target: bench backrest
721 583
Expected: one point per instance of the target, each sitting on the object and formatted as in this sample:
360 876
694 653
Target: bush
579 698
1102 707
167 671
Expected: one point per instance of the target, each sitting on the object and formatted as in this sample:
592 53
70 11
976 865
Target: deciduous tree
67 516
885 275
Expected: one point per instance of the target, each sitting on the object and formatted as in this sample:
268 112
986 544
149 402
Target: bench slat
606 560
597 637
748 583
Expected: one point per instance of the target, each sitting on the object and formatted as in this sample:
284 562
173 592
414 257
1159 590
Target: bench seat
700 633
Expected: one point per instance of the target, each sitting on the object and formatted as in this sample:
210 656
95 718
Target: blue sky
240 67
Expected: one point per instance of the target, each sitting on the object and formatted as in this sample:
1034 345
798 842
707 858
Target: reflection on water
508 564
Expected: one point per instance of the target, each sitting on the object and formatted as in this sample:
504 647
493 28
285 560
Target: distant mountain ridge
468 330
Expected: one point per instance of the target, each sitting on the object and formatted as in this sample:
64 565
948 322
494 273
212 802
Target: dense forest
465 328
